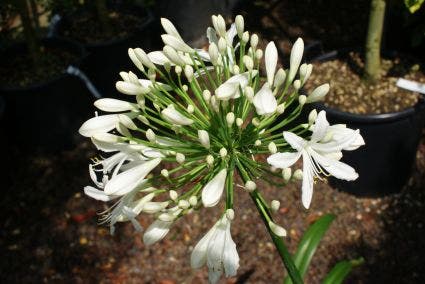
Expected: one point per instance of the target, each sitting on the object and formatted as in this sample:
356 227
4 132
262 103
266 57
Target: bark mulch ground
49 231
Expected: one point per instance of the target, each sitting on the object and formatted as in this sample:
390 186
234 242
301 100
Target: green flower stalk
208 115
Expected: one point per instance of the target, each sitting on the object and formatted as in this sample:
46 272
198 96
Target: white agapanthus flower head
194 120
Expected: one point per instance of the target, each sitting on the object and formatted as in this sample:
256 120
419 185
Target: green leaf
309 244
341 270
413 5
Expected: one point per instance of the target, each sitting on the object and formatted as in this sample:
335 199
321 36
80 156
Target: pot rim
78 48
366 118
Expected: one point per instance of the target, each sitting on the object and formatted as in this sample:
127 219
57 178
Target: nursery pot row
385 163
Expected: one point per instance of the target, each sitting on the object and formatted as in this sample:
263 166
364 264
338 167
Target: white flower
218 250
231 88
271 61
175 117
264 101
213 190
318 156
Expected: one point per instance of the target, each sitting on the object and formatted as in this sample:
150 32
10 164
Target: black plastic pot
106 59
46 114
384 164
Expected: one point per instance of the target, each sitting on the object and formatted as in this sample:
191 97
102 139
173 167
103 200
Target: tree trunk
373 41
29 31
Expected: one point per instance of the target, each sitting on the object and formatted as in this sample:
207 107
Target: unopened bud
279 78
239 22
302 99
258 54
190 109
312 116
230 214
297 84
249 93
173 194
272 147
255 121
180 158
248 62
185 88
184 204
275 204
210 160
164 173
178 70
257 143
193 200
254 41
213 52
150 135
245 37
223 152
250 186
298 174
235 69
206 95
222 46
188 72
286 173
239 122
277 230
280 108
204 138
230 118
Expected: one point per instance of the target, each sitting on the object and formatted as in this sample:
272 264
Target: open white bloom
218 251
318 156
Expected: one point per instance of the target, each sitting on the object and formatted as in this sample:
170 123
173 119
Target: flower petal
156 232
264 101
230 255
336 168
114 105
98 124
308 180
199 254
320 127
175 117
283 160
230 88
158 57
294 140
270 61
130 179
213 190
169 28
97 194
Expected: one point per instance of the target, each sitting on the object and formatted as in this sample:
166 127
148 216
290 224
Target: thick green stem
373 41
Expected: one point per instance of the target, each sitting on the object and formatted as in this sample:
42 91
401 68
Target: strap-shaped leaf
341 270
309 244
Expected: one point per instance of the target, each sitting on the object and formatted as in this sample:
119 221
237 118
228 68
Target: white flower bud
190 109
312 116
143 119
250 186
239 22
193 200
185 88
257 143
204 138
135 59
164 173
222 46
297 84
167 66
258 54
298 174
150 135
272 148
223 152
295 59
302 99
178 70
210 160
213 52
230 118
255 121
318 94
221 26
188 72
286 173
235 69
206 95
143 57
172 55
173 194
248 62
279 78
277 230
239 122
280 108
230 214
254 41
184 204
180 158
274 205
249 93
